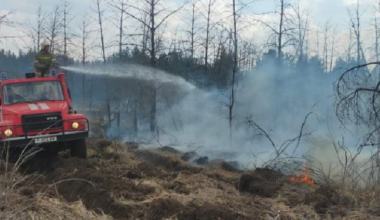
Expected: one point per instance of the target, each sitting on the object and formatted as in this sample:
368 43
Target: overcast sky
335 11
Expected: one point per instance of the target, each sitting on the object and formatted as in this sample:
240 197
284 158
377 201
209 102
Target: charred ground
121 181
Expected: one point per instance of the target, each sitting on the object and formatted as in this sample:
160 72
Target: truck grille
42 122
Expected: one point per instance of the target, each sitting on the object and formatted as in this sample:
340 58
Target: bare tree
66 29
234 68
349 45
377 29
4 21
54 25
302 28
193 30
121 25
325 45
86 46
317 44
118 21
157 14
36 31
355 19
100 13
3 18
208 29
332 50
358 94
358 103
282 32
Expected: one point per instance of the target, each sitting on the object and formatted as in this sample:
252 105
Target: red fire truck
38 112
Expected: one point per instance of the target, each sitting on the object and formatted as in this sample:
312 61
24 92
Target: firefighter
13 97
44 60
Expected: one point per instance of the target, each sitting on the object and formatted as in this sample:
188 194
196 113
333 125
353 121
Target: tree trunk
153 64
280 33
234 69
121 30
65 37
101 30
192 36
207 36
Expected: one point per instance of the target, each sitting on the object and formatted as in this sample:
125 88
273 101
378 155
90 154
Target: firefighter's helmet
45 43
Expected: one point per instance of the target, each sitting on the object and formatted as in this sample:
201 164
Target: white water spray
132 71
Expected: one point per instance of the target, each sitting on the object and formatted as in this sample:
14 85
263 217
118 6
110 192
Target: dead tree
157 14
118 21
208 29
36 30
318 45
4 21
121 26
54 26
234 68
302 29
85 33
377 30
193 30
355 21
325 46
100 12
358 101
4 18
66 29
350 43
332 51
281 31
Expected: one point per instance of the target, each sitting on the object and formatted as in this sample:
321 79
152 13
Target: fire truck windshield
32 92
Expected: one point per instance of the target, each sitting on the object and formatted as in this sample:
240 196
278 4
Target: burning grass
303 176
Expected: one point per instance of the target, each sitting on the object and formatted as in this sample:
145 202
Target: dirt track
125 183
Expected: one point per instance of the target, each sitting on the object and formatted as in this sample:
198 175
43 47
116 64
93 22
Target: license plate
45 140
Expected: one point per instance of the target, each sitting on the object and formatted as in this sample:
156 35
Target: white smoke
199 121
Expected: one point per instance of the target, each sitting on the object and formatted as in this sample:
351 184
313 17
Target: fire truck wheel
78 148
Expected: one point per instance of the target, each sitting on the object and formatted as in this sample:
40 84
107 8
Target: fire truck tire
78 148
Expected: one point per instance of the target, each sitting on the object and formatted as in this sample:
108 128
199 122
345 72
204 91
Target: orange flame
304 177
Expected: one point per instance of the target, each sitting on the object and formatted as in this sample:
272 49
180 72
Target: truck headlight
75 125
8 132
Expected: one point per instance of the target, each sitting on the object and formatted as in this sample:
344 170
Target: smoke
280 110
278 104
198 119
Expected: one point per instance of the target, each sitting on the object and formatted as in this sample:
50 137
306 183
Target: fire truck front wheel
78 148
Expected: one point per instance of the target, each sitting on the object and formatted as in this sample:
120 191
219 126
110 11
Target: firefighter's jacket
43 62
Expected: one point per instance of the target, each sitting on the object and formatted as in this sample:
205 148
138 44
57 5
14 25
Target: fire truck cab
38 112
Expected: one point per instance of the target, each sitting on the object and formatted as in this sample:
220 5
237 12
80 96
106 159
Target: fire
303 177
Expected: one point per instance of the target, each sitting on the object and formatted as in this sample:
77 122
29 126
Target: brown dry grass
158 185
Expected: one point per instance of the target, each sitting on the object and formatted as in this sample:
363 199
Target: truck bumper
31 140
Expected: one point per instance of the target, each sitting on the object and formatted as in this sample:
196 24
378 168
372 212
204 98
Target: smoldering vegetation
122 181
